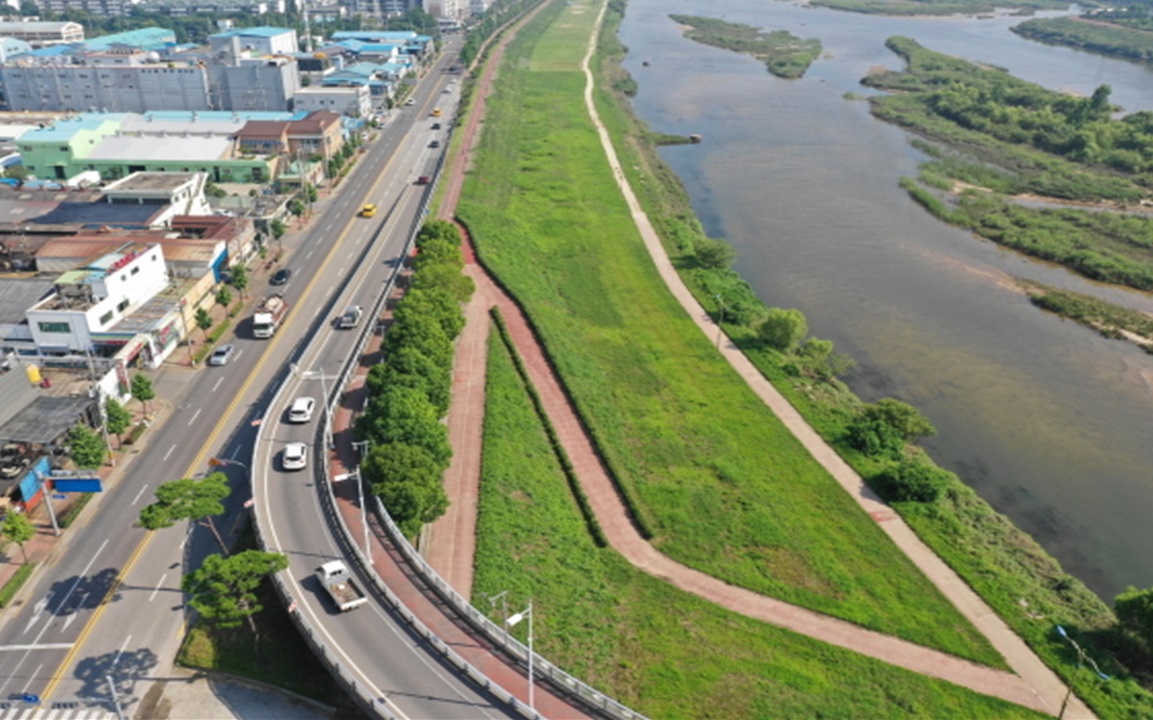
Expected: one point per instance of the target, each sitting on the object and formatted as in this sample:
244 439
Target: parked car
280 277
301 410
294 457
222 355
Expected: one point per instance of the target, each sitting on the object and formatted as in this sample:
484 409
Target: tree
408 480
435 303
913 480
405 415
296 207
902 417
142 389
224 296
223 589
713 254
19 529
203 321
783 329
1135 613
278 228
239 273
86 448
188 499
117 418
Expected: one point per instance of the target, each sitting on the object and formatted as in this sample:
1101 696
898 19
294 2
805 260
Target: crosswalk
22 711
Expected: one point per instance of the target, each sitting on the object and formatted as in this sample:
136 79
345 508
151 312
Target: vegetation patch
1112 321
659 650
1125 33
937 7
15 583
73 513
717 481
783 53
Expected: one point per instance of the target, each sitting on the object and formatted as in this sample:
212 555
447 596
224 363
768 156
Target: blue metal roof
149 38
389 36
64 129
266 31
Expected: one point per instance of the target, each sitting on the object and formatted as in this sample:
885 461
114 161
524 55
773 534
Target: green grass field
718 481
663 652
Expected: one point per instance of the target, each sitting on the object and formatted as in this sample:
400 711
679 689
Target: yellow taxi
368 210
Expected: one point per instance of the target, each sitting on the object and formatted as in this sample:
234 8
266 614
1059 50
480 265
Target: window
122 305
55 327
106 318
135 270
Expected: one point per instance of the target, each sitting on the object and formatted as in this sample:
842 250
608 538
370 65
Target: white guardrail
565 684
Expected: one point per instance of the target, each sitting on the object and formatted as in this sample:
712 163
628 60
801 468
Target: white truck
335 578
268 316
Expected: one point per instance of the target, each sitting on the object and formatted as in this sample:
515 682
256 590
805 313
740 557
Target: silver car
295 456
222 355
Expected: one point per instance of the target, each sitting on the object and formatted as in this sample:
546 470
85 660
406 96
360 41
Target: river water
1047 420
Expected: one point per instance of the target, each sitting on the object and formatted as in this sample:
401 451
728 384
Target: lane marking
37 611
71 617
41 646
239 353
137 498
197 413
217 385
165 458
209 442
158 584
120 652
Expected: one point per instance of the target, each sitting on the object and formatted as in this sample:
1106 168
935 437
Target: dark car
280 277
422 180
434 144
436 126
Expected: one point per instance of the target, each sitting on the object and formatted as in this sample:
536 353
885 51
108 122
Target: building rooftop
45 419
150 182
148 38
97 214
64 129
394 36
19 294
8 28
266 32
172 148
82 248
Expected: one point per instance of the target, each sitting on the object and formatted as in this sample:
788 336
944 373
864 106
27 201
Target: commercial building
43 34
354 101
99 8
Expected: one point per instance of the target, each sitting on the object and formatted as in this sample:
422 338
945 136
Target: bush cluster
409 390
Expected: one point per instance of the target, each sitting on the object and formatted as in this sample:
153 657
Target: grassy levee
1026 586
722 485
663 652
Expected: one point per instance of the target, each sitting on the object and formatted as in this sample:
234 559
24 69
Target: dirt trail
1031 684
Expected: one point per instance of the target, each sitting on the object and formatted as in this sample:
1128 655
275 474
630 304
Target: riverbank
1098 36
1027 587
783 53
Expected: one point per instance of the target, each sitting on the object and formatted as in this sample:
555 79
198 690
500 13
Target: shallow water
1047 420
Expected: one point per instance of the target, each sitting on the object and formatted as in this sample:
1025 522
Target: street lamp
355 475
312 375
510 623
503 597
1082 658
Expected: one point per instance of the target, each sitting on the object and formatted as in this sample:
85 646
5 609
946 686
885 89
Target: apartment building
43 34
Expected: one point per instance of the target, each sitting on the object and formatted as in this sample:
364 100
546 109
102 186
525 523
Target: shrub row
409 390
15 583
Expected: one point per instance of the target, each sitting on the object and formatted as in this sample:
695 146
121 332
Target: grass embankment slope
717 481
662 651
783 53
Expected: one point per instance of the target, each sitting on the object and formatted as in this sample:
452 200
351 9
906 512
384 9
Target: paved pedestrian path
1031 683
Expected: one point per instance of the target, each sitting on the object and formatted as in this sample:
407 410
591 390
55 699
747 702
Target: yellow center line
201 458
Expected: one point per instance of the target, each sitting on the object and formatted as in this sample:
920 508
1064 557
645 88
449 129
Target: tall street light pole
315 374
355 475
512 621
362 447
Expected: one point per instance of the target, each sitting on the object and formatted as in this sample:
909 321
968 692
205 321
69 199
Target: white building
353 101
238 43
91 301
183 193
42 34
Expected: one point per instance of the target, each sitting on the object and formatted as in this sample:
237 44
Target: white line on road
239 353
42 646
71 617
218 381
120 652
137 498
309 254
158 584
37 610
165 458
197 413
340 272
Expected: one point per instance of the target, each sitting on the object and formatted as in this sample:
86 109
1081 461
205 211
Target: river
1045 419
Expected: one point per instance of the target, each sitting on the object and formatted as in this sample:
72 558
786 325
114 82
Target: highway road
110 607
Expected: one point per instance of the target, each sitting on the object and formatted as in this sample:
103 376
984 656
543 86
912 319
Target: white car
301 410
295 456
